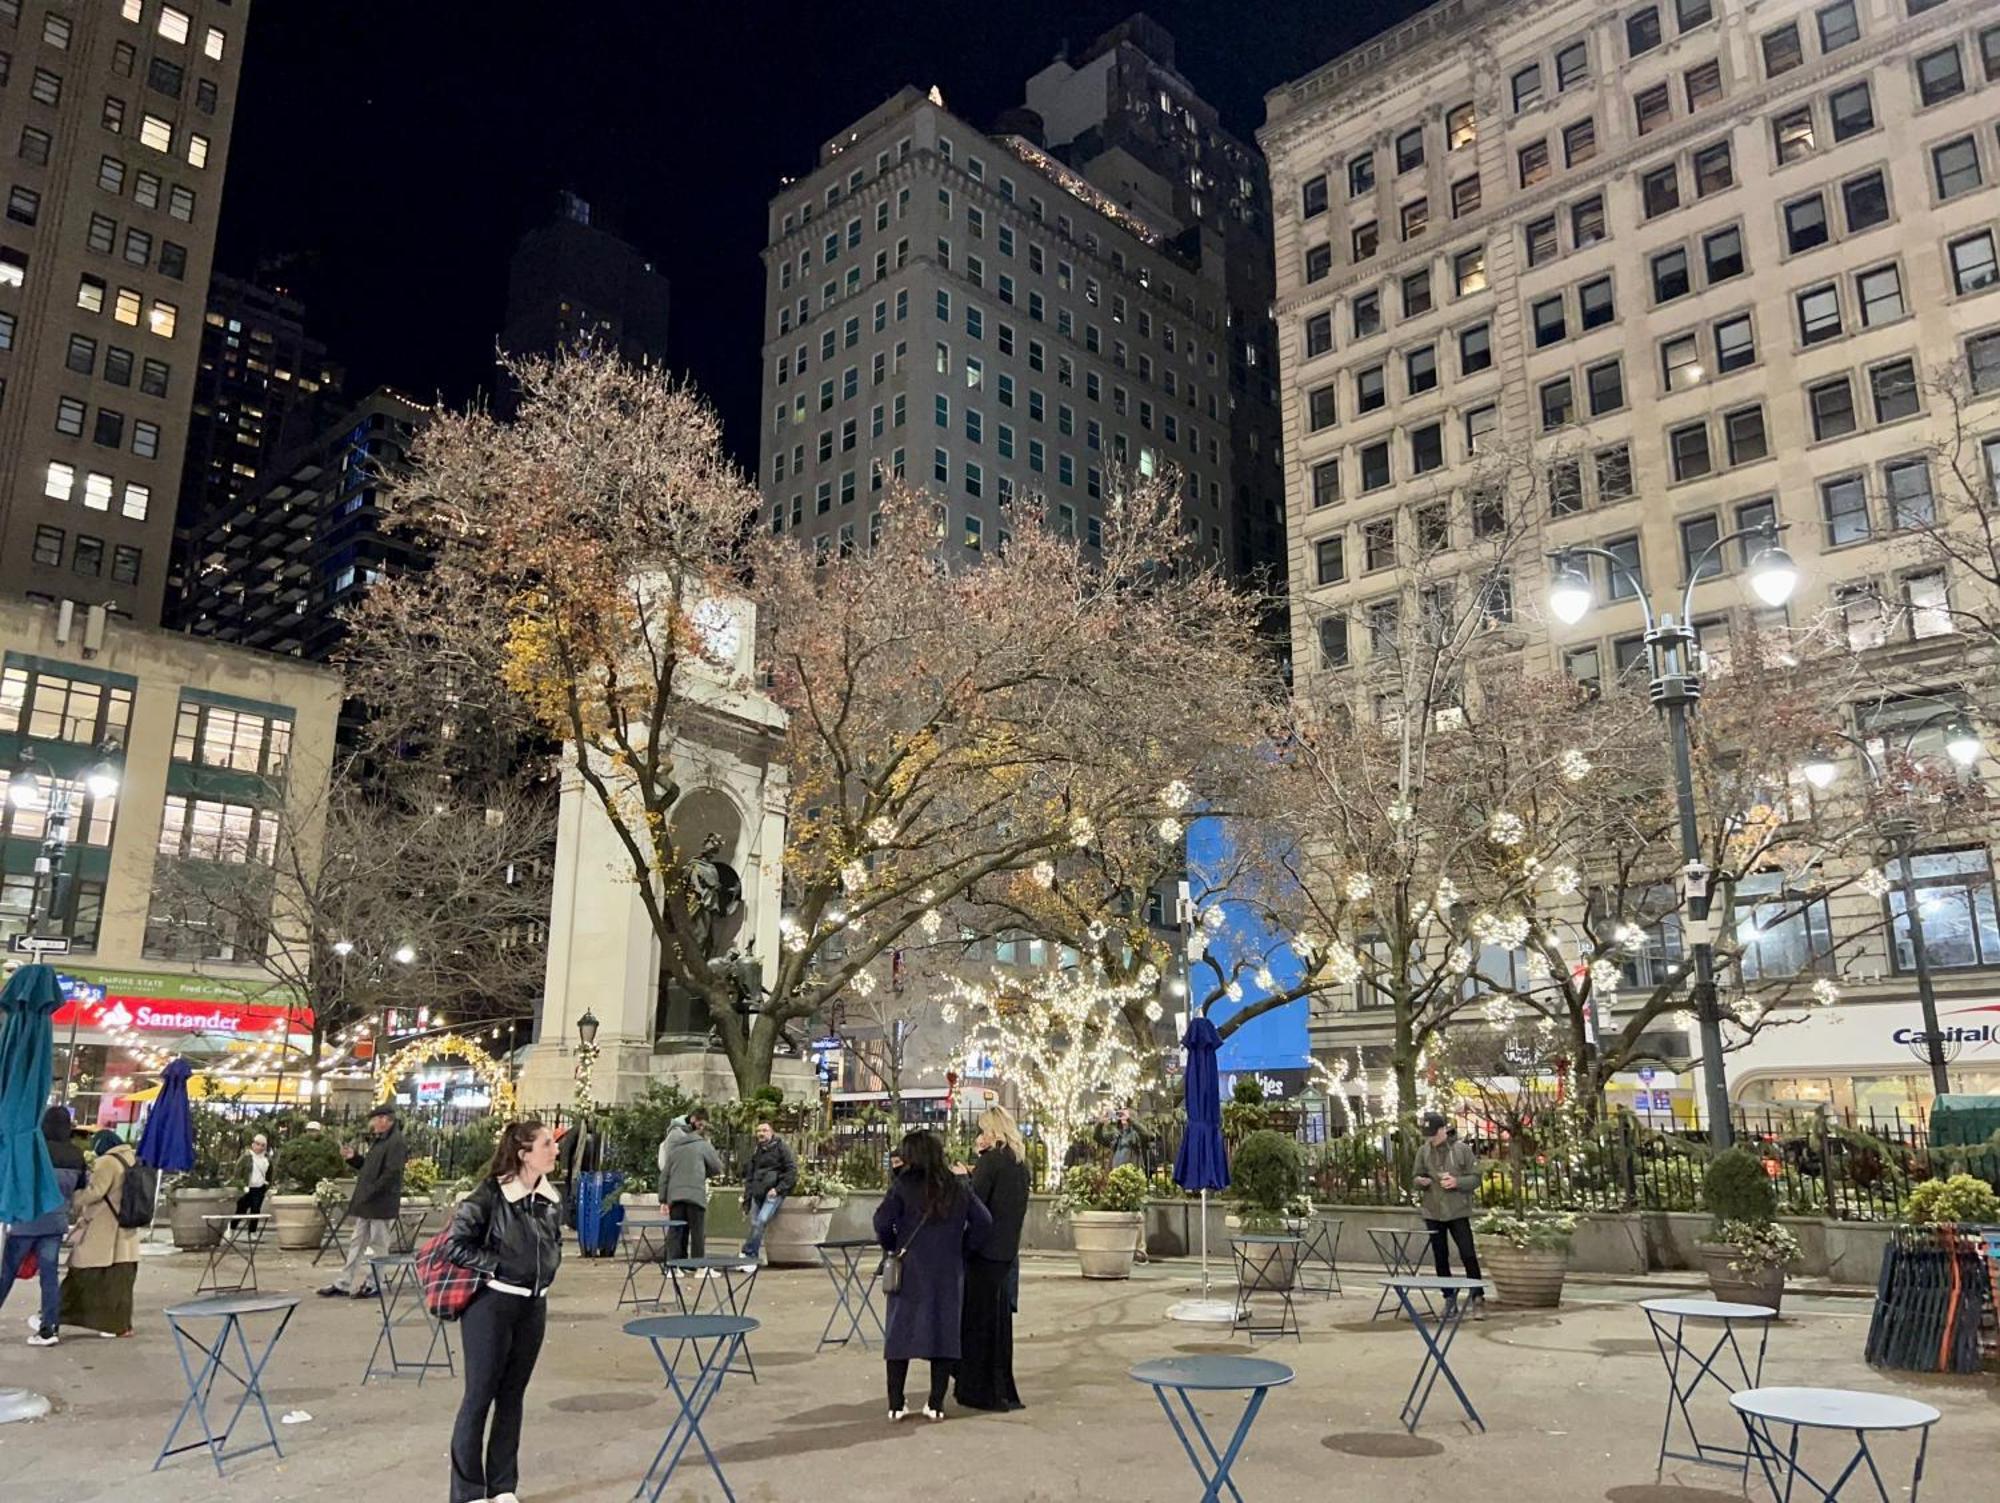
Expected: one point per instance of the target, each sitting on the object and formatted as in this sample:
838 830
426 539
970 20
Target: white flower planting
1874 882
1043 874
1458 961
1213 918
1343 965
1500 1010
1305 947
881 830
1538 966
1574 765
1824 992
1630 937
1360 886
1234 991
1604 981
1149 975
1446 897
853 877
1506 829
1082 832
1506 933
1266 982
1059 1041
1176 795
1565 880
863 983
1169 830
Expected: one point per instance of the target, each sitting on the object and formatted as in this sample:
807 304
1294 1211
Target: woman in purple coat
932 1222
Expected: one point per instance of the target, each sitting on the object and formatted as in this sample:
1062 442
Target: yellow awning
263 1092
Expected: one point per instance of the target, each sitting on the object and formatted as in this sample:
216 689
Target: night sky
388 152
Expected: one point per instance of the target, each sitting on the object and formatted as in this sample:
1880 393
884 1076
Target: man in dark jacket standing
773 1173
43 1235
1447 1174
688 1161
371 1209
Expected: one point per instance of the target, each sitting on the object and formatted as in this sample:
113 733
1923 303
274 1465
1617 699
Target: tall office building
573 279
272 568
263 387
1122 115
116 117
1701 259
966 312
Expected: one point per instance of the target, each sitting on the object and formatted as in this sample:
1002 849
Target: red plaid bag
448 1286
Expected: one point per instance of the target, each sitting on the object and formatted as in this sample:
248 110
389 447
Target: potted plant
1106 1209
1267 1180
420 1180
804 1219
296 1174
1747 1252
199 1193
1962 1200
1525 1252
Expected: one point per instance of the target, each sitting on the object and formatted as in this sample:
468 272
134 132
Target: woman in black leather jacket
510 1230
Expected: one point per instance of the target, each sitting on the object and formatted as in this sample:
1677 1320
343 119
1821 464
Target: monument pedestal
624 1070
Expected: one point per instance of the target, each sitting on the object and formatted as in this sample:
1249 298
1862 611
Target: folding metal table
231 1310
1438 1327
645 1241
1858 1414
1320 1250
725 1335
1217 1374
1267 1267
400 1295
1669 1318
732 1279
238 1240
847 1262
1401 1250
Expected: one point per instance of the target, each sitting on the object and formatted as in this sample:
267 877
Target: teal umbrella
27 1047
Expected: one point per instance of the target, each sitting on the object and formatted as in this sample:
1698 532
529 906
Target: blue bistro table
645 1242
1321 1254
854 1273
1401 1250
231 1310
1858 1414
718 1286
1218 1374
724 1335
399 1293
1438 1327
1721 1366
232 1261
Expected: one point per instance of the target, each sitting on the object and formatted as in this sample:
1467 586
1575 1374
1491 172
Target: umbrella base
19 1404
1215 1312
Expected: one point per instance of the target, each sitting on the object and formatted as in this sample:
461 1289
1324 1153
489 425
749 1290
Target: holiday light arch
448 1045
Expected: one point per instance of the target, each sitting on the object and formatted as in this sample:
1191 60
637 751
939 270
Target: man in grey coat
1447 1172
372 1208
687 1162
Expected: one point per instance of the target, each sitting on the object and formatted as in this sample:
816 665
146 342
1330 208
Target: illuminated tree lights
446 1046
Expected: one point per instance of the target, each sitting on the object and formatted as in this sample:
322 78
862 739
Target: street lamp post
1674 687
1963 746
28 789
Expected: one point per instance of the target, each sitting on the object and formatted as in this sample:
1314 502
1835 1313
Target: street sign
47 944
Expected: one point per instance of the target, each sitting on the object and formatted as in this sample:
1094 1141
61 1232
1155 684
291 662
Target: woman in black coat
1000 1182
930 1222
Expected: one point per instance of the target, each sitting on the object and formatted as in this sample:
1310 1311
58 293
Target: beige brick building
114 128
1704 259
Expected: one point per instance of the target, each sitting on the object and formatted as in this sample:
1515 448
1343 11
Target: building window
1961 930
1974 265
1416 218
1420 370
1579 142
1893 389
1926 606
1735 344
1543 244
1417 293
1550 326
1326 482
1330 560
1704 85
1832 406
1982 361
1320 411
1743 432
1838 25
1852 110
1533 163
1688 447
1565 488
1653 108
1680 362
1333 642
1907 483
1427 449
1319 262
1527 87
1594 304
1699 557
1880 293
1312 197
1586 221
1606 384
1366 314
1319 334
49 546
1819 313
1783 51
1805 223
1866 200
1480 424
69 417
1660 190
1844 504
1613 470
1378 544
1410 150
1792 134
1464 196
1955 167
1940 76
1627 580
1475 349
1558 403
1461 126
1642 30
1670 276
1365 240
1374 465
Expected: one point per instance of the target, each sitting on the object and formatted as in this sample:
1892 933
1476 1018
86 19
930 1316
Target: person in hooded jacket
43 1235
104 1256
688 1161
509 1229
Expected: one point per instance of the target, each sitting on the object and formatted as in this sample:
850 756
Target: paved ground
1573 1398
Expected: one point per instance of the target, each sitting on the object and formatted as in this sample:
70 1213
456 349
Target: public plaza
1572 1399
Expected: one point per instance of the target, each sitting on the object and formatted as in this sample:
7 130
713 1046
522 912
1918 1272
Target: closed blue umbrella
168 1140
27 1047
1201 1164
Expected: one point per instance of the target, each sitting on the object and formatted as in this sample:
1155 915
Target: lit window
213 44
60 482
126 310
97 491
156 133
174 24
197 150
89 294
163 318
137 499
131 9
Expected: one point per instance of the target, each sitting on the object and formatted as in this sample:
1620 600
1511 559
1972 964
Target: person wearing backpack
509 1231
104 1256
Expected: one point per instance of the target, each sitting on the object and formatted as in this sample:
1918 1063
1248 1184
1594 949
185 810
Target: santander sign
151 1015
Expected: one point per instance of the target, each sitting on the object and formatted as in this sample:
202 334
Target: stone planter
189 1206
1266 1266
1105 1242
1756 1286
802 1223
1531 1277
296 1222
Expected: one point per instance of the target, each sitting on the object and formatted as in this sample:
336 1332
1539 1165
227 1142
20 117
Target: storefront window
1781 932
1955 897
